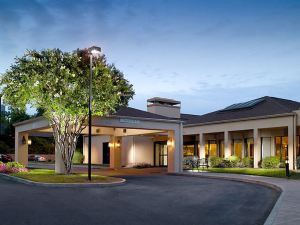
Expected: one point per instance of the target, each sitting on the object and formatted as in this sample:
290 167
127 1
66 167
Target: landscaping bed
49 176
255 171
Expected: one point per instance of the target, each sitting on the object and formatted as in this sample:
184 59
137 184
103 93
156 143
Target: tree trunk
66 131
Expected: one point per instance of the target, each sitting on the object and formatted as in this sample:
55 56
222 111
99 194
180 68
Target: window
265 147
211 149
249 147
281 144
298 146
221 149
238 148
189 150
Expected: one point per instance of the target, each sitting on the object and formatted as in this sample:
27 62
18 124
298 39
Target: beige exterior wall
97 148
251 128
164 110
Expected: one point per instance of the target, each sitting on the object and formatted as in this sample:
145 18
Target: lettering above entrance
131 121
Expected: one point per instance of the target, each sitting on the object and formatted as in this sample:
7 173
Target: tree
57 83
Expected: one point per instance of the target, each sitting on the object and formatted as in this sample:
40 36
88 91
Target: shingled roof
132 112
265 106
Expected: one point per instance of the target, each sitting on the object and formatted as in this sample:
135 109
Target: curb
40 184
271 217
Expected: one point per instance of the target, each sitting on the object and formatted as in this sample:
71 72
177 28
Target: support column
21 147
227 144
115 152
291 145
201 146
59 164
175 150
257 147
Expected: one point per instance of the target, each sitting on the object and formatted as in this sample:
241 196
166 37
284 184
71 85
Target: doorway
106 153
160 153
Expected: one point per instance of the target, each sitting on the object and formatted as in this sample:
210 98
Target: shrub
12 167
298 162
142 165
215 161
231 161
247 162
190 162
78 157
270 162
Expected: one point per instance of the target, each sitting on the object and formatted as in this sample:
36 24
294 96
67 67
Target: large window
221 149
298 146
281 147
160 154
211 149
249 148
265 147
237 148
189 149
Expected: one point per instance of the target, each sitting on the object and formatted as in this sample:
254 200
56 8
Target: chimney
164 106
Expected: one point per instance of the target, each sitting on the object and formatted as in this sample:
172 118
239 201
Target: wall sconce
98 130
124 131
29 142
170 142
114 144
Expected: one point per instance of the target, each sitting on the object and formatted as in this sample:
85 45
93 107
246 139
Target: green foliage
270 162
247 162
298 162
57 83
4 148
78 157
41 145
231 161
215 161
190 162
14 165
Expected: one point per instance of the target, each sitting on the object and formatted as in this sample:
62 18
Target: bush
78 157
190 162
142 165
215 161
298 162
270 162
12 167
247 162
231 161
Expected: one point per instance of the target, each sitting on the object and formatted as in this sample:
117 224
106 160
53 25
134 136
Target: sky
207 54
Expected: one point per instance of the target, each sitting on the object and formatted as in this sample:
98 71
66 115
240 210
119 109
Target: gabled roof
265 106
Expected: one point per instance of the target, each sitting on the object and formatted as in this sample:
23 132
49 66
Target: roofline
147 119
111 116
241 119
29 120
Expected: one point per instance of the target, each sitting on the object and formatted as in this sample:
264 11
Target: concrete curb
271 218
85 185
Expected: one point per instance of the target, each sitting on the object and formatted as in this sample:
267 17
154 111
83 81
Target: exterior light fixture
287 168
24 142
94 51
29 142
111 145
170 142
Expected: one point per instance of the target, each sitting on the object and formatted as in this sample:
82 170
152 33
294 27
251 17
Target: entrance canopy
125 122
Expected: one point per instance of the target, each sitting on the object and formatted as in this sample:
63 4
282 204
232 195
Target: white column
59 164
291 140
201 146
175 150
227 144
21 147
257 147
115 153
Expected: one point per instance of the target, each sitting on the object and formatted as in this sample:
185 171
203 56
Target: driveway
144 200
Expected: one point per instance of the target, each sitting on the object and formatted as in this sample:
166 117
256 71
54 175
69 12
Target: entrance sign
131 121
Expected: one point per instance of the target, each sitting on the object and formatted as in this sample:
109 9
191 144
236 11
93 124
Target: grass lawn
256 171
49 176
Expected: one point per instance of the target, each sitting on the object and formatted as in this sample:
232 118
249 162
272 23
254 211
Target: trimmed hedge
78 157
270 162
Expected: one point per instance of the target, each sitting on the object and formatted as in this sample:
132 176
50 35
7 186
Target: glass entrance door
160 154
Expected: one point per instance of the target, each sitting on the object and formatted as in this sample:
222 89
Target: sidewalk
287 209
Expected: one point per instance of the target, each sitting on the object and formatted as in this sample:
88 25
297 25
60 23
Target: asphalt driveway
144 200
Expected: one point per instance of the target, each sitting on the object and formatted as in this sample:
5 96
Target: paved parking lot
147 200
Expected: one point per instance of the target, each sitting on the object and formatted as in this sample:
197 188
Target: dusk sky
207 54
